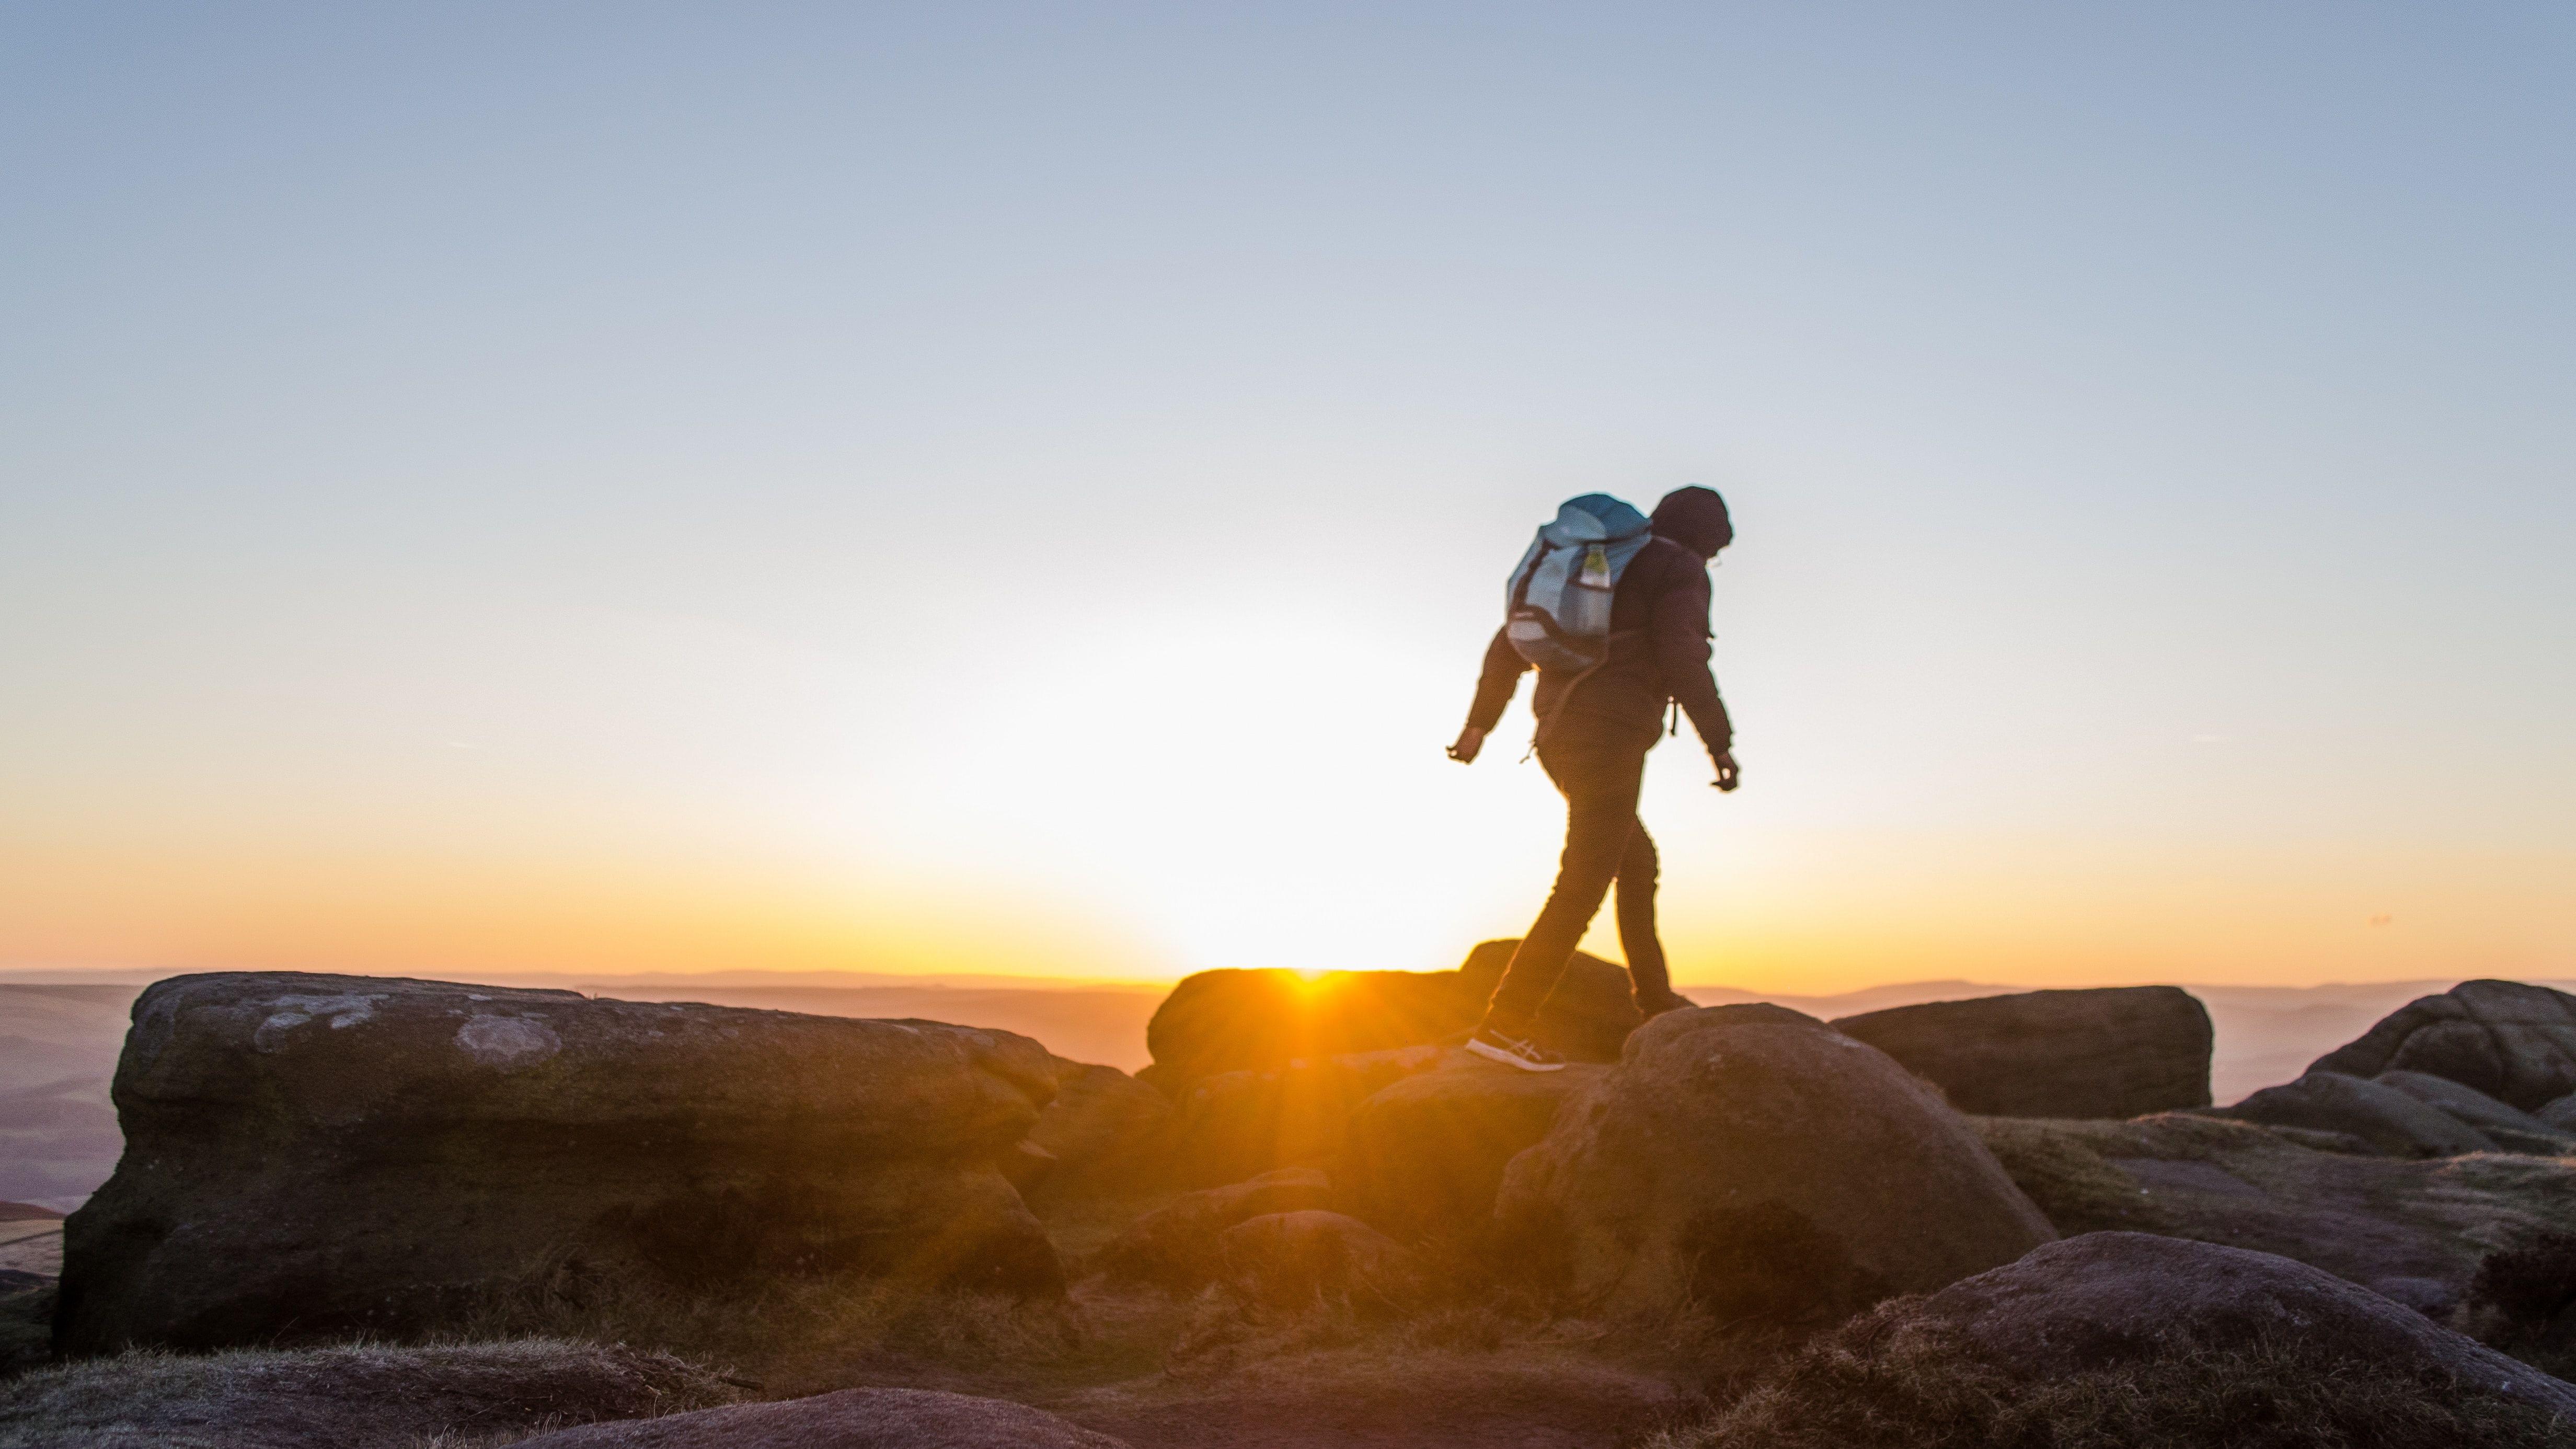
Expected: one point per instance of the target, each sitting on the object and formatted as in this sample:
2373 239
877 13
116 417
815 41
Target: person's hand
1729 775
1470 740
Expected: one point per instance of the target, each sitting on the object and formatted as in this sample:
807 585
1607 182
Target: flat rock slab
2116 1052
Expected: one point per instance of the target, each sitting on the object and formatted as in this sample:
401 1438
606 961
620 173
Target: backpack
1558 609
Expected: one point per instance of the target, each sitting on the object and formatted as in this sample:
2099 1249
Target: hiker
1605 678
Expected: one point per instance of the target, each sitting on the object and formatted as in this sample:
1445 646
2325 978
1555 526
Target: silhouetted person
1594 730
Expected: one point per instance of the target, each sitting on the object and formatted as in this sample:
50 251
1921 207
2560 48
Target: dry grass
1889 1383
358 1396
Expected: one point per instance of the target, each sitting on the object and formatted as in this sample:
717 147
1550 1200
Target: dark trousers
1598 767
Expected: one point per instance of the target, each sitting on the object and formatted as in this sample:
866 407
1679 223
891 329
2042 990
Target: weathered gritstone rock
2412 1229
849 1419
2389 1120
1426 1155
1106 1135
1176 1244
2119 1052
2560 1114
2516 1043
1269 1021
318 1155
2509 1127
1761 1164
1284 1259
2106 1298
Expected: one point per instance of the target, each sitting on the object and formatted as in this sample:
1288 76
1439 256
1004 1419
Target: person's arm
1495 687
1680 634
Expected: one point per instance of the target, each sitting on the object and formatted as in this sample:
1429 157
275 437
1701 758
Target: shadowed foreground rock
849 1419
317 1155
1761 1164
343 1398
2118 1052
2514 1042
2127 1339
2108 1297
1265 1021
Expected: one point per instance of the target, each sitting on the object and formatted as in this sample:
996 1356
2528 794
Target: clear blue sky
795 485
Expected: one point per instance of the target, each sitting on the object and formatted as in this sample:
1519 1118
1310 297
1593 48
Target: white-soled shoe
1513 1051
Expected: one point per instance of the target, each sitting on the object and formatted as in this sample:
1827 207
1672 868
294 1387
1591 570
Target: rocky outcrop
2516 1043
323 1155
1426 1154
1763 1165
2415 1230
849 1419
2386 1119
2509 1127
2117 1052
1176 1245
1268 1021
1285 1259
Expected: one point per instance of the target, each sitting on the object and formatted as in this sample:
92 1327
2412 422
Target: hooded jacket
1659 649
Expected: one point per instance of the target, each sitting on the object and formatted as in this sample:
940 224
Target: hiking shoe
1513 1051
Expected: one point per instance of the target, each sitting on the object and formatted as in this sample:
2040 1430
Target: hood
1696 519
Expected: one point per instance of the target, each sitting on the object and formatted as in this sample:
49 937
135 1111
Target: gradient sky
1023 489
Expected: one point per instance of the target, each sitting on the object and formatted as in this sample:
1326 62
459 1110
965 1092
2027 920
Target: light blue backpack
1559 603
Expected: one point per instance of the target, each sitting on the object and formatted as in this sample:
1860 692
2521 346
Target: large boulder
2132 1339
311 1156
2508 1126
1762 1164
2388 1120
1268 1021
2413 1229
1426 1154
2516 1043
849 1419
349 1397
2117 1052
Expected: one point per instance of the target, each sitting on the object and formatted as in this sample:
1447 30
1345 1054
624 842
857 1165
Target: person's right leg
1599 778
1647 979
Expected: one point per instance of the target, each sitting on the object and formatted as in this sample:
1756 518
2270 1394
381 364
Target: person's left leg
1647 978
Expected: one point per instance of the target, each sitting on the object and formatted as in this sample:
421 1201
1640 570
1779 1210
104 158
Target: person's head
1696 519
